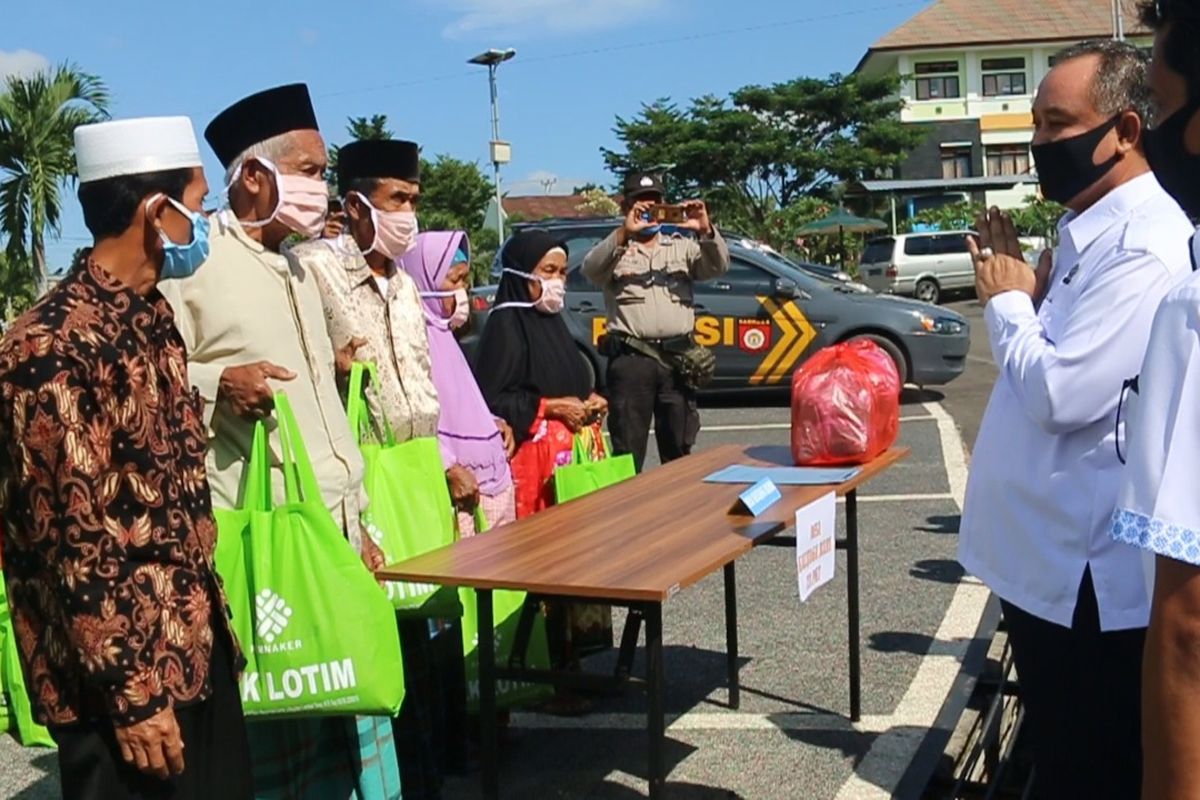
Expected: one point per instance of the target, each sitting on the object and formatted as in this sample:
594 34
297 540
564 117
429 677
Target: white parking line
695 721
901 731
899 498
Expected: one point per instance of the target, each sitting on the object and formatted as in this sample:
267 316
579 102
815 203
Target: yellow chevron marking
796 335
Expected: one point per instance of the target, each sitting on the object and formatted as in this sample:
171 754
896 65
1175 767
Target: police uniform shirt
1045 473
648 290
1158 504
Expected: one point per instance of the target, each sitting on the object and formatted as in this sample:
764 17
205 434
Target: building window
956 162
1003 77
937 80
1007 159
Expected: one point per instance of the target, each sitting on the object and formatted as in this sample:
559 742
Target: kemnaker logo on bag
273 615
286 678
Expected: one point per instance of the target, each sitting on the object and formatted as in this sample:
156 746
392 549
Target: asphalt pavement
790 738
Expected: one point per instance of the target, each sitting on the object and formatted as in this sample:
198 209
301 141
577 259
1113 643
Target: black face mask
1067 167
1176 169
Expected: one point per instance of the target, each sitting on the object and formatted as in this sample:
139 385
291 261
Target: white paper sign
815 544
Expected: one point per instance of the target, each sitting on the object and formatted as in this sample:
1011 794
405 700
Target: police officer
647 275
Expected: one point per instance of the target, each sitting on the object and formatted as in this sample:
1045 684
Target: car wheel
591 369
928 291
893 350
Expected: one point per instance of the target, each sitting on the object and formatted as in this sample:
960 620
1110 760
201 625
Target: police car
764 317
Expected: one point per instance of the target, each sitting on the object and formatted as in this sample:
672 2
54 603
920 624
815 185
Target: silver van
920 265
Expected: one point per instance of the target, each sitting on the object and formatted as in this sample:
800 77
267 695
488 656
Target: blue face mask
653 230
182 260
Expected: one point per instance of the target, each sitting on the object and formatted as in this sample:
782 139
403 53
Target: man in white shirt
1158 505
1045 470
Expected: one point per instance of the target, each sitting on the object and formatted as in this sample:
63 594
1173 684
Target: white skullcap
135 147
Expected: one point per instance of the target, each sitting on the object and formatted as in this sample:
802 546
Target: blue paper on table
784 476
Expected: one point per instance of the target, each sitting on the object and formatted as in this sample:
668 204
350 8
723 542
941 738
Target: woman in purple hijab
469 435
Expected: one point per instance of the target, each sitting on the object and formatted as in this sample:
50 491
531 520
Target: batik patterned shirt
389 316
108 526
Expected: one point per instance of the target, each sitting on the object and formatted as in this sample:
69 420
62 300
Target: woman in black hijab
530 369
533 377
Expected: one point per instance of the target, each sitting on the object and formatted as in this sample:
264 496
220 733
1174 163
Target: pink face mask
303 202
395 231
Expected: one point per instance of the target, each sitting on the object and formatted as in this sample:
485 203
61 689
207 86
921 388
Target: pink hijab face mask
303 202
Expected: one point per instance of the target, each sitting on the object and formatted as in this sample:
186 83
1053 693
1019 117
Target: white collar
1083 229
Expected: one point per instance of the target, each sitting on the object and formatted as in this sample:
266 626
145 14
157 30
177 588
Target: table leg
731 636
489 756
852 605
656 727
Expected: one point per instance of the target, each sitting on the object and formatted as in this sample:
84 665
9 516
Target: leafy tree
454 194
1039 217
585 188
17 292
765 147
38 117
954 216
360 129
597 203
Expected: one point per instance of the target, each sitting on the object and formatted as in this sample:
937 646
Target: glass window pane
937 68
1003 63
917 246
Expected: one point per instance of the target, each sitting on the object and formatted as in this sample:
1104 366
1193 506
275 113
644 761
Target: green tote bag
318 633
410 512
16 707
592 468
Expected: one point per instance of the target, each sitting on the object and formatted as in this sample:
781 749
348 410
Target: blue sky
579 64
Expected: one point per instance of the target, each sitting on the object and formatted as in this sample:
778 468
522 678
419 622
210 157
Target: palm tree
38 117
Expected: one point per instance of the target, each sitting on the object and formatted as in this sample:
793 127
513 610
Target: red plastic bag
845 405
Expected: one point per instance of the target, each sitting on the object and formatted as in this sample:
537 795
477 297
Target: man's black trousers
642 391
1081 688
216 754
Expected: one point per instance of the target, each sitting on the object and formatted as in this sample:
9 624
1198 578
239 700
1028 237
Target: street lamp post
501 151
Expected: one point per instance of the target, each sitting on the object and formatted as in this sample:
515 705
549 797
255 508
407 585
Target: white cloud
21 63
522 18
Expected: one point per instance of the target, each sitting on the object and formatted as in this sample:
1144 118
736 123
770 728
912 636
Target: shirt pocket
1055 313
633 277
677 278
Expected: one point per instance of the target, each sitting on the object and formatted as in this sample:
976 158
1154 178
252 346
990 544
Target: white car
920 265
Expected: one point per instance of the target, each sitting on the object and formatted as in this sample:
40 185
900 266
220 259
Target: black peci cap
259 117
378 158
640 184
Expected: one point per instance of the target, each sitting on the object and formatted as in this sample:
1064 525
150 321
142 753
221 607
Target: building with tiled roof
972 68
546 206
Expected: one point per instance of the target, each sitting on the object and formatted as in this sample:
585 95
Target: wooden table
636 545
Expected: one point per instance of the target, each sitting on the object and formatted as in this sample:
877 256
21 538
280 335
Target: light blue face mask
182 260
653 230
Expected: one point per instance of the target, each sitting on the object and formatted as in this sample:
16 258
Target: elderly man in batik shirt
108 526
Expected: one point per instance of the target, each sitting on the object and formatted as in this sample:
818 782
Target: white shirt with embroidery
1158 504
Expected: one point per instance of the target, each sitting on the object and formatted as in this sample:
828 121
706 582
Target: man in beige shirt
647 279
253 324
